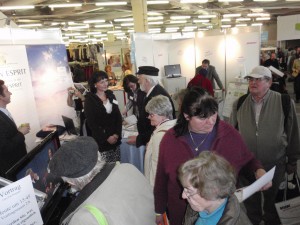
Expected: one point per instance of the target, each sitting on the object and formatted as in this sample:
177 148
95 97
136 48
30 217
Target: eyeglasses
151 115
251 79
188 194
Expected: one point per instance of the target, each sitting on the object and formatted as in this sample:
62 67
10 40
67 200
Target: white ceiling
89 11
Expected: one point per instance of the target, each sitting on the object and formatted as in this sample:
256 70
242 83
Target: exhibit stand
35 69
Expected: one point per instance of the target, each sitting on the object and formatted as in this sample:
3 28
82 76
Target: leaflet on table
18 204
130 121
244 193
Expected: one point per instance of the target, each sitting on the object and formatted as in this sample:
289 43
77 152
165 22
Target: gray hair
153 80
212 175
161 106
79 183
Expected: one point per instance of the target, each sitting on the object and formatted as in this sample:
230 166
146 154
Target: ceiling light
262 18
65 5
82 36
177 21
225 20
190 27
103 25
256 24
225 26
243 19
155 23
180 17
155 18
200 21
92 33
130 31
110 3
203 29
170 31
16 7
72 34
100 35
78 27
123 20
170 28
114 31
157 2
264 0
258 14
193 1
127 24
241 25
154 14
93 21
206 16
232 15
154 31
230 0
31 25
119 34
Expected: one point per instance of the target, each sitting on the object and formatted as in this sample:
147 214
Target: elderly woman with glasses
198 128
161 117
208 185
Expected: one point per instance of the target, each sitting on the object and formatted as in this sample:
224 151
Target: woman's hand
159 219
258 174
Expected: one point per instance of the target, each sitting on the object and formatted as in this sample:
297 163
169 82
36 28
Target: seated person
118 193
112 80
208 185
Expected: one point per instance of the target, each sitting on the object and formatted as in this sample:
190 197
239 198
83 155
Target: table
133 155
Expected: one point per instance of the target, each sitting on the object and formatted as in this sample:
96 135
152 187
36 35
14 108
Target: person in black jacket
12 139
103 116
148 80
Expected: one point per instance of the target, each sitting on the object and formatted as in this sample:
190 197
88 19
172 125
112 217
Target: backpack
286 105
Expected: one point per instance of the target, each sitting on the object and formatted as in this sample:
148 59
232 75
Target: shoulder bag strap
99 216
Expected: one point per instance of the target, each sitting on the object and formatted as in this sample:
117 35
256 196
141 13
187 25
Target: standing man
272 61
12 140
296 74
211 74
271 134
148 80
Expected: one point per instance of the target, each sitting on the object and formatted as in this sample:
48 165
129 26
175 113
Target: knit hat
75 158
148 70
260 72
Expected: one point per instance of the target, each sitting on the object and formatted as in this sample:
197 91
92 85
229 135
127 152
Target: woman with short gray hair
208 185
161 116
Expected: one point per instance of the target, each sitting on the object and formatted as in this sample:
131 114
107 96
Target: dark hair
196 102
130 78
1 87
95 78
205 61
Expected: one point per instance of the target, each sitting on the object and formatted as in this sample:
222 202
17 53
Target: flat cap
148 70
75 158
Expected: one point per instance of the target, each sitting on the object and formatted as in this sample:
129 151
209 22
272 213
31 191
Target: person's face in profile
131 86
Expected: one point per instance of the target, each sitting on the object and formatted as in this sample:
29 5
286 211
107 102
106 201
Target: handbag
289 209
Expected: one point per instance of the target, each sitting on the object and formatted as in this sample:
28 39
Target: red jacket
175 151
201 81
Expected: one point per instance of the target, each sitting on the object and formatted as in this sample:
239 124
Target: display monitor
172 70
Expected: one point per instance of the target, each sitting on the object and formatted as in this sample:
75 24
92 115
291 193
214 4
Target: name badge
115 102
130 97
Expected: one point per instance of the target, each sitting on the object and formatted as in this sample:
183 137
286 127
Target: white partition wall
286 27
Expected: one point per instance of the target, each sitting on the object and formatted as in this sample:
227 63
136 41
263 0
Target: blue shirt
212 218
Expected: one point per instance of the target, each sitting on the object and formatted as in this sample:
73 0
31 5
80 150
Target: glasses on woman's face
188 193
151 115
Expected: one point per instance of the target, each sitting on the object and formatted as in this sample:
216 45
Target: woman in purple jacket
198 128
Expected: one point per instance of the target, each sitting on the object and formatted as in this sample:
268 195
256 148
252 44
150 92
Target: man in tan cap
267 122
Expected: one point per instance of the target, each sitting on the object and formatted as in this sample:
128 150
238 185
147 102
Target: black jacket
12 144
101 123
143 125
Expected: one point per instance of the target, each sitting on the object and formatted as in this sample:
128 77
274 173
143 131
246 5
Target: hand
24 129
131 140
159 219
258 174
112 139
124 111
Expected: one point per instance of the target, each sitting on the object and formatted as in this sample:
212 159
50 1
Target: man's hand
112 139
159 219
131 140
258 174
24 129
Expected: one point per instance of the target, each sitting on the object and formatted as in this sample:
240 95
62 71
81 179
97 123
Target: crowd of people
193 164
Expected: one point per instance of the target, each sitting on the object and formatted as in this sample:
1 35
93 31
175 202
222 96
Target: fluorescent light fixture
127 24
170 28
231 15
153 18
190 27
65 37
119 34
206 16
17 7
100 35
203 29
93 33
241 25
82 36
177 21
243 19
258 14
193 1
124 20
78 27
154 31
114 31
230 0
200 21
179 17
130 31
31 25
225 26
256 24
53 28
65 5
103 25
264 0
110 3
154 14
157 2
155 23
292 0
262 18
170 31
71 34
225 20
94 21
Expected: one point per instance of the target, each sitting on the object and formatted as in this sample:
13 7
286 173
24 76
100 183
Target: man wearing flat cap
267 122
148 80
109 193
